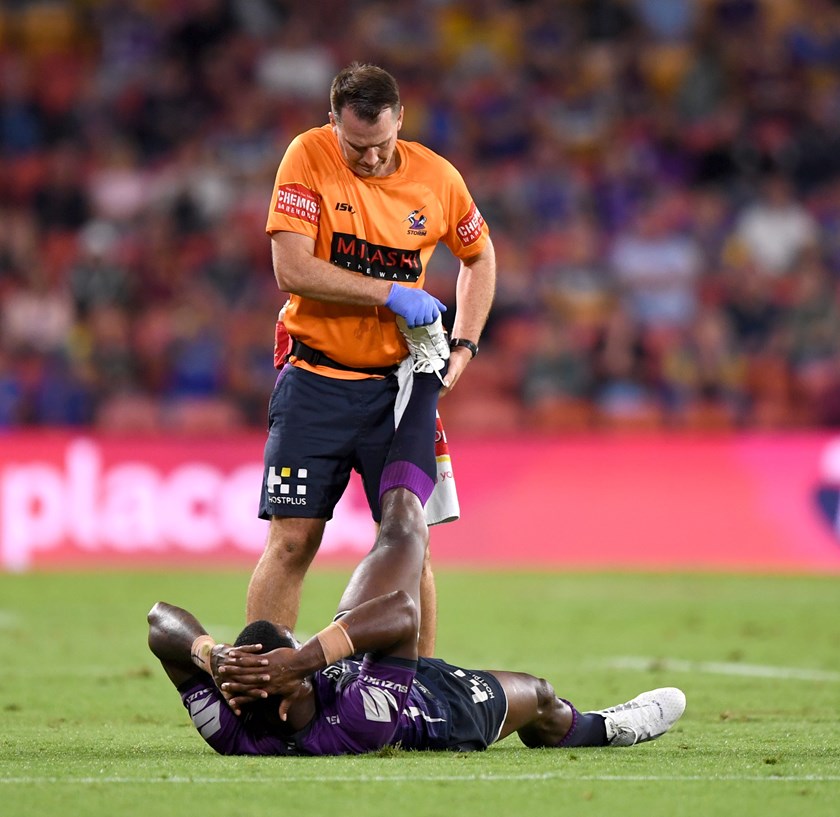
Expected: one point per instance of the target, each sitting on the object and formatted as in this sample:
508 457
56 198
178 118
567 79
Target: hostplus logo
284 489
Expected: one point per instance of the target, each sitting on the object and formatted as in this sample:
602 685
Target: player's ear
287 634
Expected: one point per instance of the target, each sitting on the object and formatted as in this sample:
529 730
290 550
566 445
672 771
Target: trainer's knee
293 543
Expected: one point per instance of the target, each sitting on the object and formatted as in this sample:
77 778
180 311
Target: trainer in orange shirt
355 216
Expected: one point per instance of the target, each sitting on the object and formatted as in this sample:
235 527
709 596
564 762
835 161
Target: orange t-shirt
386 227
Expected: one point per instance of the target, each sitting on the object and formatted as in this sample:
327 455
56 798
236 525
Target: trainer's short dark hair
365 89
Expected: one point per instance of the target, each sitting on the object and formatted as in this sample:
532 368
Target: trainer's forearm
474 292
300 273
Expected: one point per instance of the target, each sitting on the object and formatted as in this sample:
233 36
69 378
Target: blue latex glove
416 306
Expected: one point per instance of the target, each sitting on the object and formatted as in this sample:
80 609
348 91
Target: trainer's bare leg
277 581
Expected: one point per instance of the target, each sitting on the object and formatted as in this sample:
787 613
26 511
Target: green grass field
90 726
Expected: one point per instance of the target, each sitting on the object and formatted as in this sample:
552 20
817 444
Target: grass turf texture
89 725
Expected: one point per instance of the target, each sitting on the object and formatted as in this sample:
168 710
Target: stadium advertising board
751 502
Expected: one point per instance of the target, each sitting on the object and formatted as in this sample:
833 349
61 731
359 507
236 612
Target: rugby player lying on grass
270 695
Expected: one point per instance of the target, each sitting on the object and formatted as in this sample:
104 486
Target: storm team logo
416 222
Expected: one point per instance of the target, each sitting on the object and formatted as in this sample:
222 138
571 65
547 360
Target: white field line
625 662
639 663
720 668
414 777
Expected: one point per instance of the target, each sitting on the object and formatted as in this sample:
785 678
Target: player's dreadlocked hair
365 89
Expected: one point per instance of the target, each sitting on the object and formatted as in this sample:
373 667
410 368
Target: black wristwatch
464 342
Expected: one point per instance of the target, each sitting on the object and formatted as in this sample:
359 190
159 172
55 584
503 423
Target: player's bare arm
173 637
386 624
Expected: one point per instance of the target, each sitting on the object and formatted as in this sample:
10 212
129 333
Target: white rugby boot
427 345
646 717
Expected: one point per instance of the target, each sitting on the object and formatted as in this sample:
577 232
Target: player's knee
405 612
404 530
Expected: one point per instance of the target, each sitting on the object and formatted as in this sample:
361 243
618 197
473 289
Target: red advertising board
732 502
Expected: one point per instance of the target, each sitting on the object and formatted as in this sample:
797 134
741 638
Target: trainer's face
369 148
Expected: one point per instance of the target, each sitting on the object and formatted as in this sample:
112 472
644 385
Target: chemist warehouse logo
299 202
375 260
284 489
470 226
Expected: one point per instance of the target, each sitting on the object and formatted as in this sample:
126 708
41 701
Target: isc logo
345 207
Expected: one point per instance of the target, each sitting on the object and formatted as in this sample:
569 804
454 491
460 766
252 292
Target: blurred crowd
661 179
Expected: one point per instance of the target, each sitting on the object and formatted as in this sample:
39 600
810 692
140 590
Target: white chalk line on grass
414 778
629 662
640 663
720 668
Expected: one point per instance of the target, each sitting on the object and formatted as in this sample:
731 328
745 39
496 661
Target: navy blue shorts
319 430
477 703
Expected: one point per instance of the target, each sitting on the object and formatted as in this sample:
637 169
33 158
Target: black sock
411 460
587 729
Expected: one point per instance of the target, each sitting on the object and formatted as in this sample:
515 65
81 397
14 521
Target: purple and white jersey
222 729
363 706
430 705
